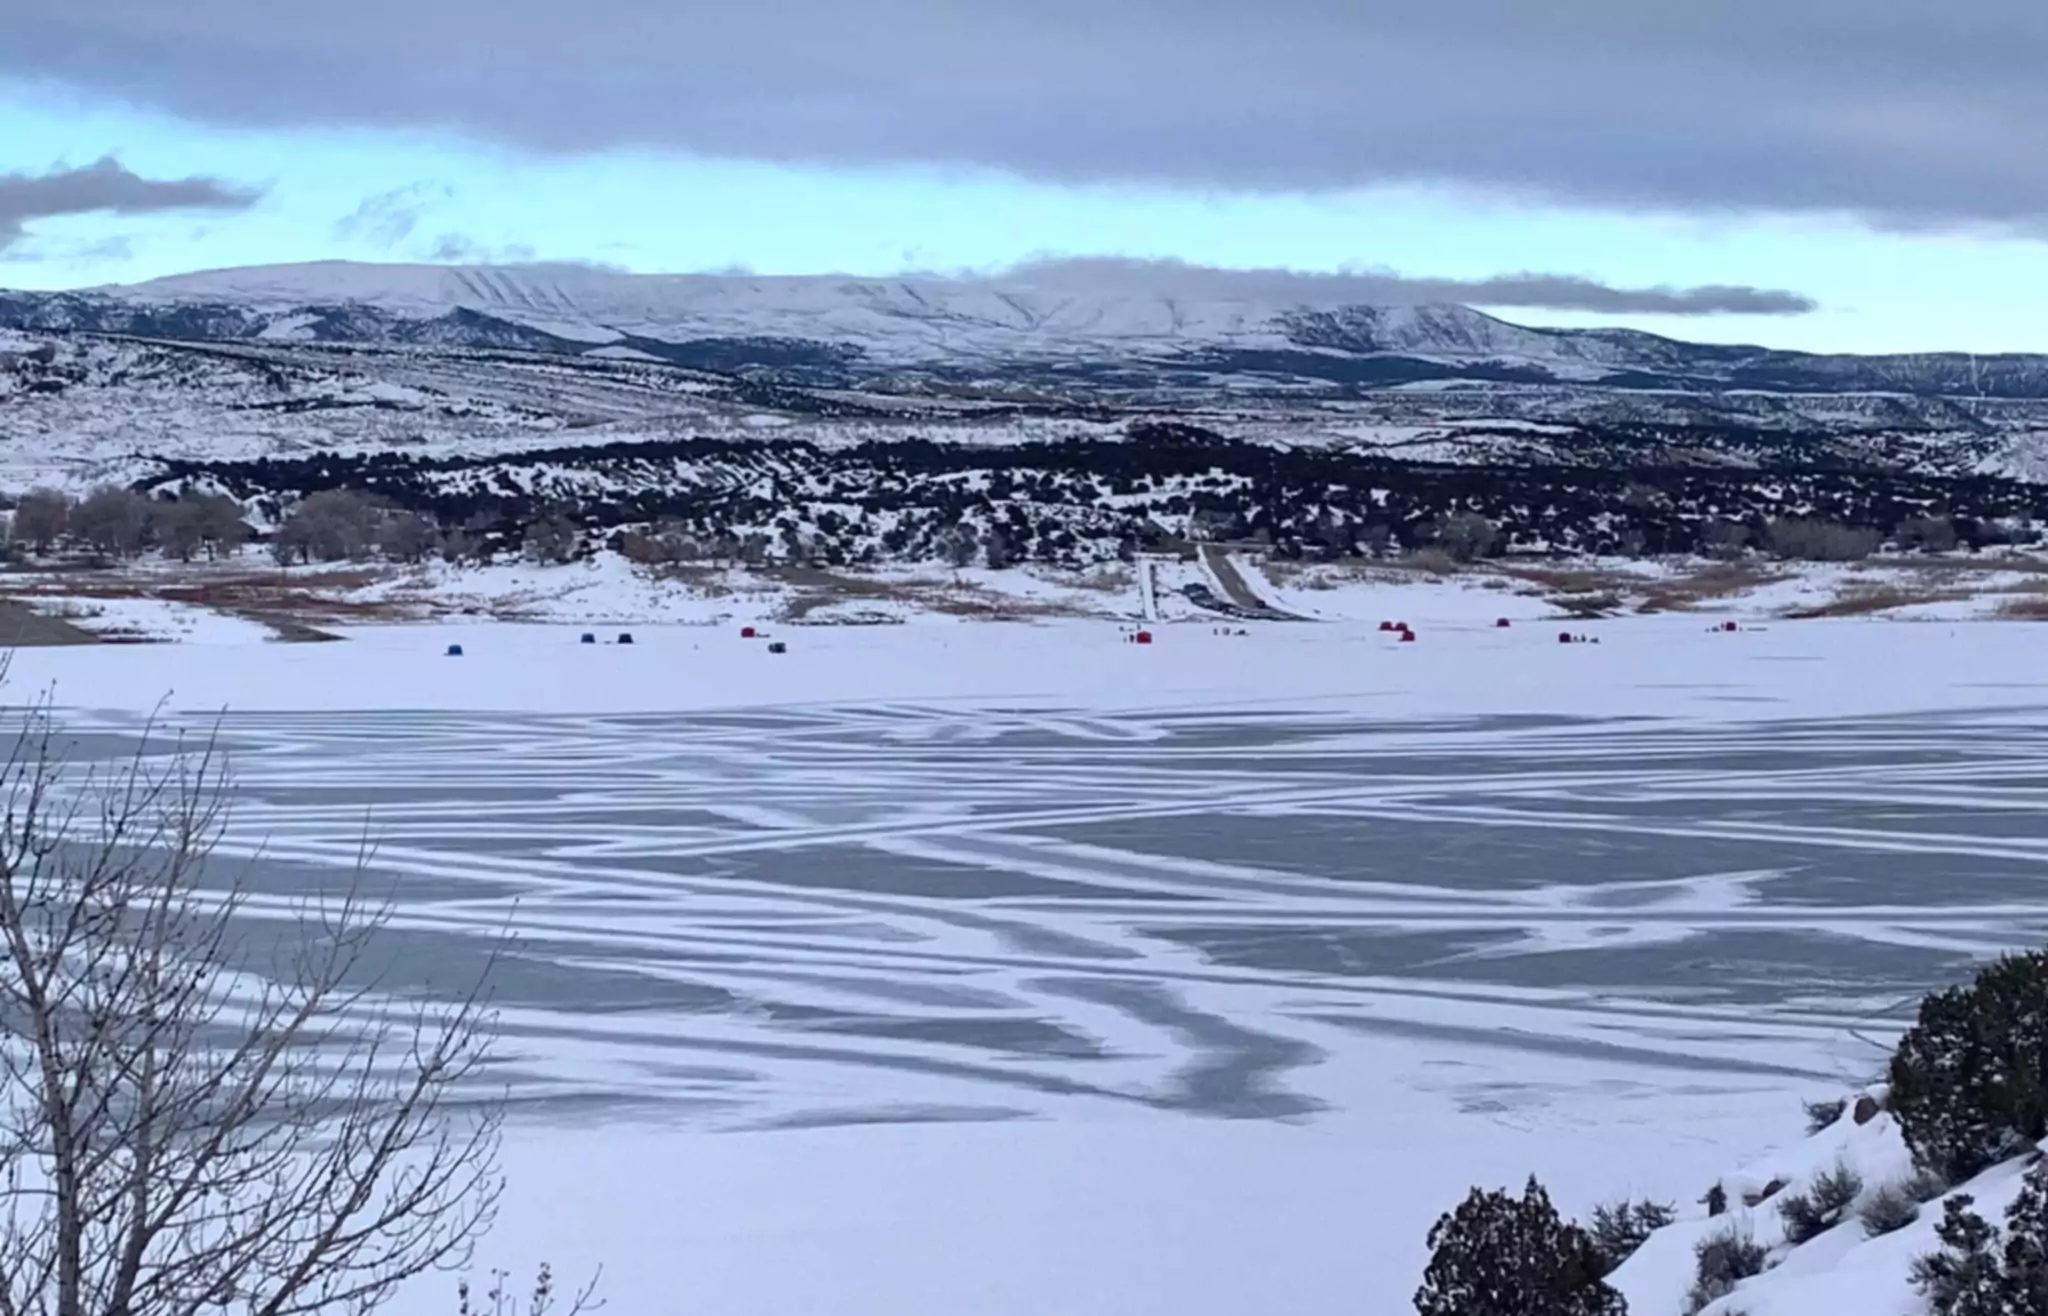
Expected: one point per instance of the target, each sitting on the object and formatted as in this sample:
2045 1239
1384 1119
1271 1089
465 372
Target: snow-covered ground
156 599
149 620
1843 1269
1662 666
762 1165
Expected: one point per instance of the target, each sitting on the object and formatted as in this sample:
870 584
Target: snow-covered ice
1020 969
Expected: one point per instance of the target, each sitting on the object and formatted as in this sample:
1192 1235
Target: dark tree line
1086 500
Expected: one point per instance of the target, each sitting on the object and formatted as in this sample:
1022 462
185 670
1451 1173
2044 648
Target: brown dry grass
1862 601
1105 580
1982 562
1586 607
2029 608
1719 581
818 588
1430 561
1571 580
293 607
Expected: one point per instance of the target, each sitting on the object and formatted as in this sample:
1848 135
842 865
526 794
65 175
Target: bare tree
408 536
333 525
200 1112
41 518
1466 536
180 527
113 520
223 526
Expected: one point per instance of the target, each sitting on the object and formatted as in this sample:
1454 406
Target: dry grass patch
1862 601
1719 581
817 588
1102 580
1431 561
2026 564
1587 607
2030 608
292 606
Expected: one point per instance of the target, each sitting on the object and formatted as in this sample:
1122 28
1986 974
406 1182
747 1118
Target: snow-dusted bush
1821 1114
1619 1229
1722 1260
1980 1270
1823 1204
1965 1276
1888 1209
1969 1081
1498 1255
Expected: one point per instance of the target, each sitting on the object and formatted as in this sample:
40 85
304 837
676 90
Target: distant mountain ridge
849 330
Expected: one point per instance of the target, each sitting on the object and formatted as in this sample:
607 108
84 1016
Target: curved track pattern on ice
904 913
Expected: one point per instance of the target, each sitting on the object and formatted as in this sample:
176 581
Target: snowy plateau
948 969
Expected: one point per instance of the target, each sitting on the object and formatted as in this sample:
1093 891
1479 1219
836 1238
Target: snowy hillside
1862 1259
882 411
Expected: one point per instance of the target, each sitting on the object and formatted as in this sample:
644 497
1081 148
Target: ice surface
1018 969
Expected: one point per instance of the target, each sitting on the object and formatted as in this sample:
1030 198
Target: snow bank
1840 1270
150 620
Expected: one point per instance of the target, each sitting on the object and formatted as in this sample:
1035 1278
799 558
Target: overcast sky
1815 172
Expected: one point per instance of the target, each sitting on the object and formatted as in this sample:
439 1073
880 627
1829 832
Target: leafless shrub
193 1118
2024 609
1435 561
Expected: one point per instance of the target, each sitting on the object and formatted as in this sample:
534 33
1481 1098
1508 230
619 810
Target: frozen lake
904 913
1074 987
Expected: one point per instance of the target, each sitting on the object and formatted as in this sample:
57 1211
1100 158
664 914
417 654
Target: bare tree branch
201 1114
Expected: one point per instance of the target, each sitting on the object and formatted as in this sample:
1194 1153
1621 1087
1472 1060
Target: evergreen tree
1498 1255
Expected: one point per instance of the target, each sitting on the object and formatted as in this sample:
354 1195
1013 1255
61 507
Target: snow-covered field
1021 969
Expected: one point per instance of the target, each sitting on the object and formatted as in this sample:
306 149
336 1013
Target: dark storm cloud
1556 292
1911 113
106 188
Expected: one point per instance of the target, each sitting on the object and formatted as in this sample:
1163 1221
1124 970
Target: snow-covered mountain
470 363
1109 336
